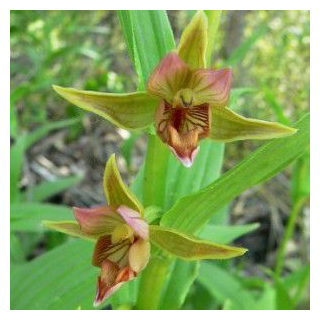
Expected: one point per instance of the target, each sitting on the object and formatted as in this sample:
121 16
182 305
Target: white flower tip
186 161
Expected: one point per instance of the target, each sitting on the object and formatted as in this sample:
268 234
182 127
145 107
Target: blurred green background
58 153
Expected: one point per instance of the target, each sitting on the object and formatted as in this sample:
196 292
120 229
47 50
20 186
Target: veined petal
211 86
110 280
228 126
97 221
117 193
194 41
134 220
190 248
71 228
129 111
182 127
139 255
114 252
169 77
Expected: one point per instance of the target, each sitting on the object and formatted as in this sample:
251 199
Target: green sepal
194 41
227 126
117 193
71 228
188 247
129 111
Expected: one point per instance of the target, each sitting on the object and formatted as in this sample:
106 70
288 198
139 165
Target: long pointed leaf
192 212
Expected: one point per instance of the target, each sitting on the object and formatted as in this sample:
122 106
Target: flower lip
186 161
110 280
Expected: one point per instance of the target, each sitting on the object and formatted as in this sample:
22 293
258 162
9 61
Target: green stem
288 234
155 172
154 190
151 283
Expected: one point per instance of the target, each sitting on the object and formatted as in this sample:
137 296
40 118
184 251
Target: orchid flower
122 247
185 100
122 236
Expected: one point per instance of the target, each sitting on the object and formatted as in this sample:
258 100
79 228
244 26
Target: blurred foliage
67 48
269 52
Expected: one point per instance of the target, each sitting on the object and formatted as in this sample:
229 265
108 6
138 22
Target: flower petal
228 126
117 193
184 146
211 86
190 248
139 255
194 41
134 220
129 111
71 228
106 250
110 280
182 127
97 221
169 77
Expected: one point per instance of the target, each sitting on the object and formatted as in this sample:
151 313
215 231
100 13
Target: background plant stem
288 234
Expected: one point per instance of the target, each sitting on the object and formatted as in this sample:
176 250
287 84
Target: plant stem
288 234
155 172
151 283
154 190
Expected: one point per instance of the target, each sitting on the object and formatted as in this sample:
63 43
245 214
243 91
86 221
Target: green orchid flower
185 100
122 236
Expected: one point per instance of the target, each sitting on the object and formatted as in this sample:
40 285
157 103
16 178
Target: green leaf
152 213
206 168
228 126
283 300
267 299
62 279
192 212
226 234
214 17
48 189
190 248
300 181
149 36
28 216
296 283
13 122
44 130
155 170
183 275
17 254
225 287
16 162
129 110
